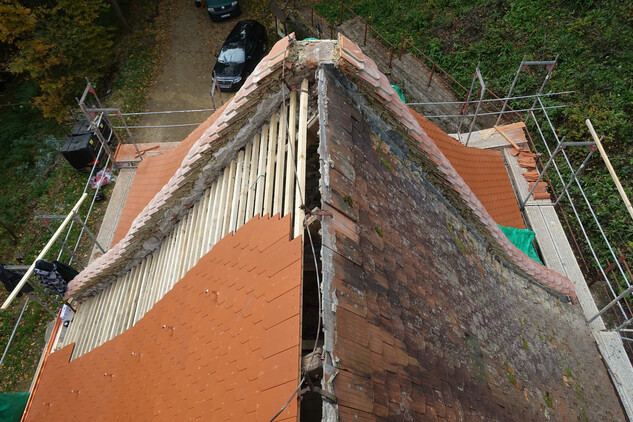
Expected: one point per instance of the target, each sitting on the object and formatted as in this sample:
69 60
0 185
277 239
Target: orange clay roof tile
209 350
153 173
483 171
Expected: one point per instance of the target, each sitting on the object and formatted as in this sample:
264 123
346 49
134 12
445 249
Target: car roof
240 30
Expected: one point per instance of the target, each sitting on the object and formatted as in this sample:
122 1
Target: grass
595 60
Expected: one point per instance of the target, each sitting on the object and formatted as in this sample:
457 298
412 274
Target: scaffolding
610 262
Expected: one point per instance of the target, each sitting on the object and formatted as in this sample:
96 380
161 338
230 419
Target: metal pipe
540 176
495 112
42 254
624 324
488 100
466 104
610 304
163 112
72 223
514 82
481 97
6 349
575 176
595 217
575 211
92 203
158 126
85 227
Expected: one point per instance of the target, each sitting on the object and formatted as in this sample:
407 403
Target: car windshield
231 55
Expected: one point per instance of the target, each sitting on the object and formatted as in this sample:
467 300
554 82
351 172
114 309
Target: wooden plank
93 327
545 243
301 159
244 186
162 271
212 216
198 229
147 273
235 198
110 316
500 130
207 228
261 171
178 253
291 151
254 174
83 331
95 331
141 307
222 207
132 300
79 322
119 308
607 162
281 157
270 165
187 241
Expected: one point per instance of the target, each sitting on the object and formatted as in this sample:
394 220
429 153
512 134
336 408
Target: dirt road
183 77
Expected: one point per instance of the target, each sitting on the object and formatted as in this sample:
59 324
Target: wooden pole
301 159
42 254
614 176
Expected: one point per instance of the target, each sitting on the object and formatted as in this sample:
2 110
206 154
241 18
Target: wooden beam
281 157
291 155
614 176
261 171
222 207
42 254
301 159
215 214
270 165
207 226
236 192
254 174
244 186
500 130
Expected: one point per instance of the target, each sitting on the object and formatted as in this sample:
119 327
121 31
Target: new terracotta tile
206 364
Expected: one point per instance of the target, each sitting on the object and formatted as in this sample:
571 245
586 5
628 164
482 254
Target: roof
483 171
203 162
428 310
223 344
423 322
153 173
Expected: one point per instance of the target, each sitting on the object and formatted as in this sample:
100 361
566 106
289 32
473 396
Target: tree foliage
58 44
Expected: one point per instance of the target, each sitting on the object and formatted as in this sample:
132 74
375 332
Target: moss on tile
548 400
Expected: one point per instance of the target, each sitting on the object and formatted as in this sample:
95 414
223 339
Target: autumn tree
58 44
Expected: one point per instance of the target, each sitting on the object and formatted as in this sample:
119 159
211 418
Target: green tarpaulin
399 91
522 239
12 406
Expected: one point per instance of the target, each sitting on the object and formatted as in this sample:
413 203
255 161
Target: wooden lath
267 176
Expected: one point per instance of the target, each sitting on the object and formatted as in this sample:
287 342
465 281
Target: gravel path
183 77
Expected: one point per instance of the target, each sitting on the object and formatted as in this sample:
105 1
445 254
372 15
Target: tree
58 46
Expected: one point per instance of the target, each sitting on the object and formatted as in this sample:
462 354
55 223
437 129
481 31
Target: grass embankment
34 176
593 41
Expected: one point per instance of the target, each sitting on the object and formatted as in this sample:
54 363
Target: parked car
222 9
242 50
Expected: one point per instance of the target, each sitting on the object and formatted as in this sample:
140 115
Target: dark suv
242 50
